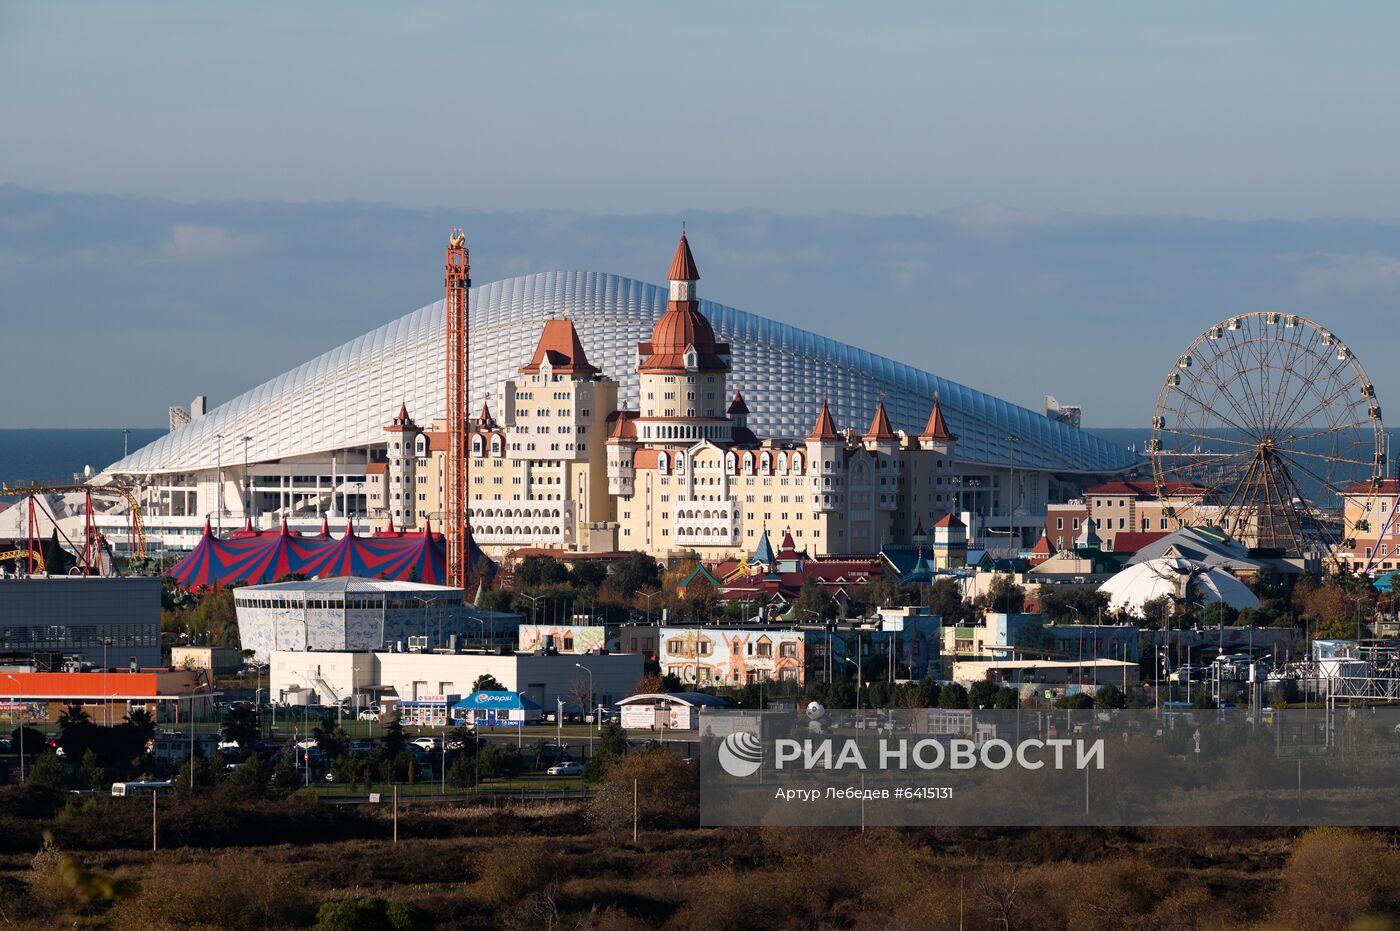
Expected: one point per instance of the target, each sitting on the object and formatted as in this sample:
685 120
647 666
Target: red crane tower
457 281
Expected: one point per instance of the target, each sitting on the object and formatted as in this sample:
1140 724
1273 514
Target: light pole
306 718
590 701
857 665
219 473
257 690
1011 440
248 482
106 697
649 596
21 728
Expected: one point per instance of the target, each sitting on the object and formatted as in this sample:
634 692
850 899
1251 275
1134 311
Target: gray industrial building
47 620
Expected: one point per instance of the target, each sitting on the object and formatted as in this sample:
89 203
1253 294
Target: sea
54 457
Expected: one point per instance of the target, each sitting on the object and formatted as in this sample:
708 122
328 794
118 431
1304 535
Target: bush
511 872
365 913
1336 877
233 891
49 770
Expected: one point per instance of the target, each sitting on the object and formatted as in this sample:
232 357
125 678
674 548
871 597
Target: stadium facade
316 442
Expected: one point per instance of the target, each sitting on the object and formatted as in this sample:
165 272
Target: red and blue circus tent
255 557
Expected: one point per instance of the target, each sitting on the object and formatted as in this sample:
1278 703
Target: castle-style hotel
559 464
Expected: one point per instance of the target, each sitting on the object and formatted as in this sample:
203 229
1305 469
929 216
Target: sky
1029 198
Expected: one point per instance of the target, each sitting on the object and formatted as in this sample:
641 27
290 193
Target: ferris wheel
1269 429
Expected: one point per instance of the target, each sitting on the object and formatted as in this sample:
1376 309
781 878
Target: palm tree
73 716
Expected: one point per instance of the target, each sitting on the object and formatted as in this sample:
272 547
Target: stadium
296 448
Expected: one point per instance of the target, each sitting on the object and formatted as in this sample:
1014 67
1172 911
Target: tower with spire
683 369
401 476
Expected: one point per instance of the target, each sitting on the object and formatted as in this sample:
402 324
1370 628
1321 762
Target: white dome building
1181 580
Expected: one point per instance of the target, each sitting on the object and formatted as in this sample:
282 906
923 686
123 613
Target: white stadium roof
342 399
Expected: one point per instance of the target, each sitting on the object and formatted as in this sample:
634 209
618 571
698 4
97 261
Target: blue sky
1092 178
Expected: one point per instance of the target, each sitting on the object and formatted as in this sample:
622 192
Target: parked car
566 769
369 714
428 744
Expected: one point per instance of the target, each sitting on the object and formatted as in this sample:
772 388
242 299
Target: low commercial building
672 710
354 613
89 620
901 642
328 677
1056 675
167 695
217 660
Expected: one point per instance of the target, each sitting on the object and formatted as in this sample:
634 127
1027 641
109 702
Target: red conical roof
936 428
683 265
880 428
485 417
559 343
825 427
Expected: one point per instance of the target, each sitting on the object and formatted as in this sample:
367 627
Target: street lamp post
219 477
857 665
21 729
106 698
590 702
248 483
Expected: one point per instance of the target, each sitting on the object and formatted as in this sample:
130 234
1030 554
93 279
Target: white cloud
190 242
1335 274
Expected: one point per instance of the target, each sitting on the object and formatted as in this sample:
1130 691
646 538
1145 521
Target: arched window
766 464
731 463
476 444
797 463
497 445
782 463
680 462
663 462
748 463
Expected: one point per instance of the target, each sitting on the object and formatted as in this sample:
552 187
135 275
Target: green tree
499 761
462 771
944 598
633 573
812 601
487 683
952 695
535 571
982 694
1006 699
1110 696
92 773
611 745
253 773
1157 612
285 777
48 769
331 738
1079 701
142 726
241 724
1004 596
588 574
393 739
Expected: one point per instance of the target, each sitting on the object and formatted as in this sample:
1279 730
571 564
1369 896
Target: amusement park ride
89 553
1274 425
